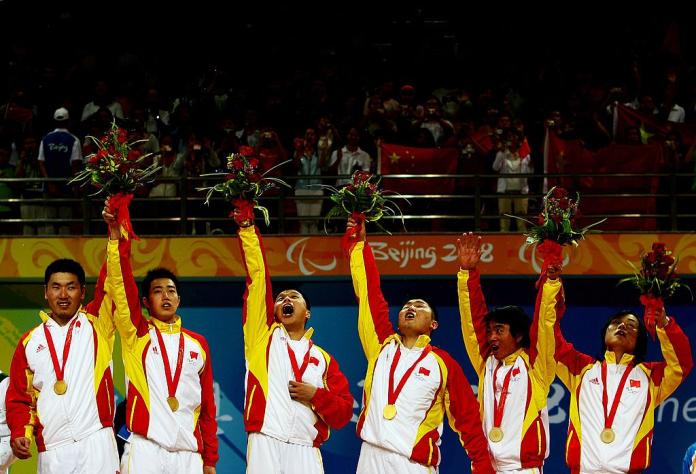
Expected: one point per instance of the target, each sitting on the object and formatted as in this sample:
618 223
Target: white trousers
96 453
142 456
374 459
266 455
6 456
532 470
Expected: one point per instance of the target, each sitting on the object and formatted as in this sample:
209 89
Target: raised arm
472 304
121 286
549 308
257 308
373 312
333 402
676 350
569 361
463 414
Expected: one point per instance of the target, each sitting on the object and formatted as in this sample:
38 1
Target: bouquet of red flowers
557 218
554 226
362 199
243 184
117 170
656 280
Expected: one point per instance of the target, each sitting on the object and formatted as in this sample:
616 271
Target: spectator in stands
250 134
345 161
309 195
28 167
271 152
328 140
440 128
102 98
60 156
156 114
509 162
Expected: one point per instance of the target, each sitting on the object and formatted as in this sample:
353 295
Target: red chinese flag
397 159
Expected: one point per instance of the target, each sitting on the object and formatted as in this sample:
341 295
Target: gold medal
495 434
60 387
389 412
173 403
607 435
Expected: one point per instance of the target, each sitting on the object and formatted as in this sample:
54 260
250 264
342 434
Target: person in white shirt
508 161
345 161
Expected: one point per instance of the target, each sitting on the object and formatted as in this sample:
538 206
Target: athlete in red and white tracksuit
645 386
285 430
165 440
402 435
73 431
524 419
6 456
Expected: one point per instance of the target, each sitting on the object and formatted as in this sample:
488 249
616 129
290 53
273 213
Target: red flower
254 177
238 164
564 203
94 159
246 151
360 177
658 247
559 193
133 155
122 136
668 260
254 162
123 168
541 219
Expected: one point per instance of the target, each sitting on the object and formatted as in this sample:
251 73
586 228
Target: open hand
469 250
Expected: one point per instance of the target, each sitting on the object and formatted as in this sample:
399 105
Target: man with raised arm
515 365
61 392
295 391
410 384
170 408
613 398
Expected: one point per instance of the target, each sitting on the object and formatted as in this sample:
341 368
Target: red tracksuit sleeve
463 416
20 400
207 421
334 403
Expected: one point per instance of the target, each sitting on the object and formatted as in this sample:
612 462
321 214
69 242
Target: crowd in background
326 111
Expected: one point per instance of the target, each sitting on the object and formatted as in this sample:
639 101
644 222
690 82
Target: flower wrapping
243 185
118 203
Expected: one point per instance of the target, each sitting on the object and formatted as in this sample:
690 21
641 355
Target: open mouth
64 304
494 347
410 315
166 305
288 309
620 332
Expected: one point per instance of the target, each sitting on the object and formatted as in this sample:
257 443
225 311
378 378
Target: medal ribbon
609 419
499 406
172 384
392 394
60 371
299 371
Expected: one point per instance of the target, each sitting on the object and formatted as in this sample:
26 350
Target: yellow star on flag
394 158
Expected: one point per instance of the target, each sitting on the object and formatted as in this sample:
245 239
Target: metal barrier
473 206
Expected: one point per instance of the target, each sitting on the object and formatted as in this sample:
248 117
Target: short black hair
516 318
155 274
65 265
641 350
308 302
